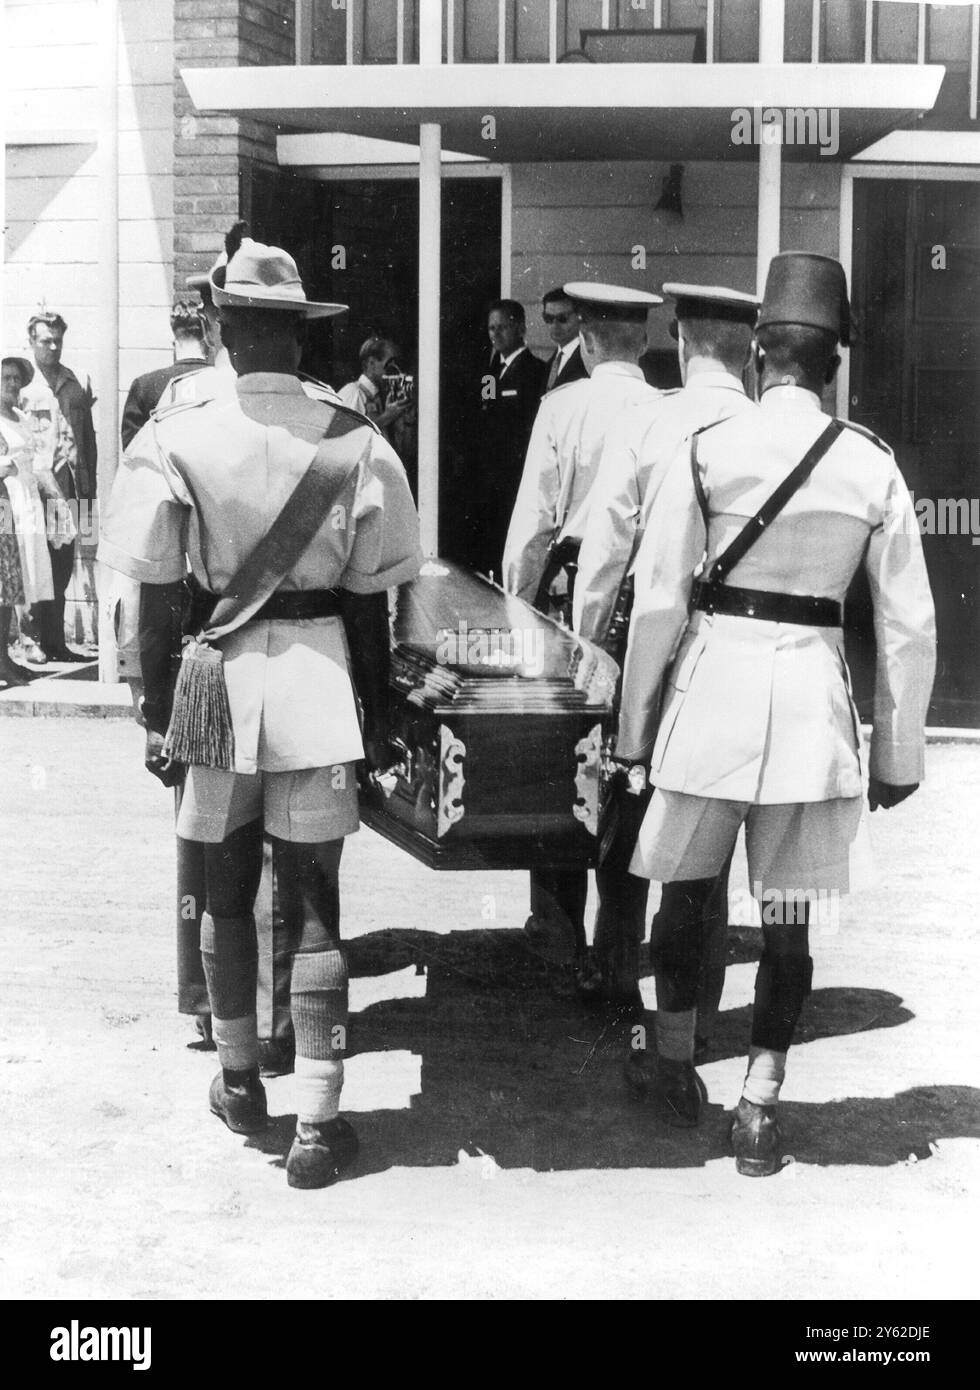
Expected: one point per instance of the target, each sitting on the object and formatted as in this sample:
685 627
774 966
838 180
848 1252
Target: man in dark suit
562 322
510 390
189 327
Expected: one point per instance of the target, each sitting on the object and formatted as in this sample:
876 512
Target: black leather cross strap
713 595
274 556
804 609
773 505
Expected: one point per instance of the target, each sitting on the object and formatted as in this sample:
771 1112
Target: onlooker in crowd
11 575
510 389
364 394
56 397
190 331
562 321
29 485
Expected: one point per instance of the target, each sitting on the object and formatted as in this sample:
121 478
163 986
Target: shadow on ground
515 1067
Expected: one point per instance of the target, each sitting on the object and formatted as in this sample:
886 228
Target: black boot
756 1140
238 1098
679 1091
320 1152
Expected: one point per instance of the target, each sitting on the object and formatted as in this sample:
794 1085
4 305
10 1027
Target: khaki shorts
307 806
802 846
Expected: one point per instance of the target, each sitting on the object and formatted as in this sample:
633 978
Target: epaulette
355 417
319 390
868 434
180 394
702 429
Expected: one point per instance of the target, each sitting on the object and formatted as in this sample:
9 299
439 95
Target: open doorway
356 242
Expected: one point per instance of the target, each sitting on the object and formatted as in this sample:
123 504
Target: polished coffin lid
461 644
502 713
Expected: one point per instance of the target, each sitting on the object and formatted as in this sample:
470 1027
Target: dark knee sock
676 943
229 949
781 988
309 899
782 984
230 957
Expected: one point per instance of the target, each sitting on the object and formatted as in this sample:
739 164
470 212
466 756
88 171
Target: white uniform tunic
203 484
561 467
760 713
637 453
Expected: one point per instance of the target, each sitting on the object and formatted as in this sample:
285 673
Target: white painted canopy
576 111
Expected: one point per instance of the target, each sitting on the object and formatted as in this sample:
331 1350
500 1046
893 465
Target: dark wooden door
915 381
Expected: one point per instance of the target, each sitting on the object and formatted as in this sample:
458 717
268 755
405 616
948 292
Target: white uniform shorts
794 846
307 806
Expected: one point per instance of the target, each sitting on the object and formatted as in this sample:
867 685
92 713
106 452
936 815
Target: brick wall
216 156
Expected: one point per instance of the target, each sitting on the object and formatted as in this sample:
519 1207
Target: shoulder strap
290 533
773 505
868 434
696 475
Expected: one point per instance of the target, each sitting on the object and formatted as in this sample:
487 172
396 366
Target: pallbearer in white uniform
736 691
540 560
713 327
295 516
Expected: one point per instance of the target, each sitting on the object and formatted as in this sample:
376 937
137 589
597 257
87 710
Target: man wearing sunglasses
562 322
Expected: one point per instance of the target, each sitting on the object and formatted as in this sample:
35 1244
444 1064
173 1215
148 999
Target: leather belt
293 604
804 609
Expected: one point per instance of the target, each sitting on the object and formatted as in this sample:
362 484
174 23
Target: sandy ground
501 1156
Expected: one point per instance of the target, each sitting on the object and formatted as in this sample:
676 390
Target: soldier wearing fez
736 693
295 516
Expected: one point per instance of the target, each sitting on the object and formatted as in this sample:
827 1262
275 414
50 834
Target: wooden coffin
503 713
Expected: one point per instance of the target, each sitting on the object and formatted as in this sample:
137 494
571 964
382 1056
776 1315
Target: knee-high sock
675 1034
192 989
228 951
309 899
320 1015
676 943
781 987
230 957
714 954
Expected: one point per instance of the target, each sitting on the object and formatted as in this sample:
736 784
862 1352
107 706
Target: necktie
553 372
